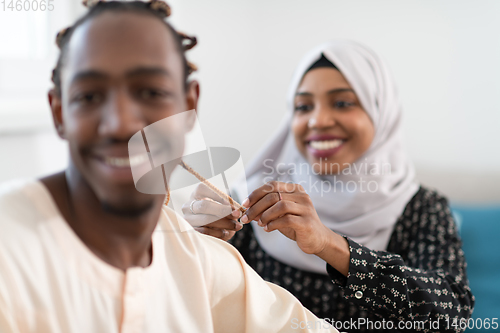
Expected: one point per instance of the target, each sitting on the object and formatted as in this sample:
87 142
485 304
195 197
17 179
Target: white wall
444 54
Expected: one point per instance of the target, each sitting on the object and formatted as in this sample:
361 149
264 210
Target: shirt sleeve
242 301
7 322
430 286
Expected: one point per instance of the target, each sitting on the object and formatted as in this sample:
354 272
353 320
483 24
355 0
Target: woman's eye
303 108
342 104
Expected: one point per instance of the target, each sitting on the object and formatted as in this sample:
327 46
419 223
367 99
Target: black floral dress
418 284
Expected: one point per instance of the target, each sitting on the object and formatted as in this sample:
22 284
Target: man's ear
56 108
192 96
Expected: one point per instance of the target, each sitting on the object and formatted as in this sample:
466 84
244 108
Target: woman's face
330 127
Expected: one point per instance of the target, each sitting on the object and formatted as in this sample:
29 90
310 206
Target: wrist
336 252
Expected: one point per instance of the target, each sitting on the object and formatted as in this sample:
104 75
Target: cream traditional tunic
51 282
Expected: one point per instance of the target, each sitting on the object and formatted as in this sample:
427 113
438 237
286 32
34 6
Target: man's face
122 73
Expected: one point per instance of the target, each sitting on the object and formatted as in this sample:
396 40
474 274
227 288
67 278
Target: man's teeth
324 145
122 162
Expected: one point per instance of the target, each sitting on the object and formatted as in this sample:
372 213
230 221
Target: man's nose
121 117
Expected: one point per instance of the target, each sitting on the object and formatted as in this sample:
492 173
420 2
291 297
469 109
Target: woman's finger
310 238
223 234
287 221
279 209
284 192
271 187
225 224
260 206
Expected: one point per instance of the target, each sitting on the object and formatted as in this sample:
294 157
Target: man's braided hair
156 8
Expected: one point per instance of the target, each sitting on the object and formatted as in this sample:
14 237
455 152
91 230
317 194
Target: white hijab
366 216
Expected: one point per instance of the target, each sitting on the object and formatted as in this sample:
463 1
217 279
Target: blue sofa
480 232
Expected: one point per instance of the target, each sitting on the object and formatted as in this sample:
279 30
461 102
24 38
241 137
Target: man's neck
122 242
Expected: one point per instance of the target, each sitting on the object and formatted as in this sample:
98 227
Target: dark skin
122 73
325 104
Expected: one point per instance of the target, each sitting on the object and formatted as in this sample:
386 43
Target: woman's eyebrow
334 91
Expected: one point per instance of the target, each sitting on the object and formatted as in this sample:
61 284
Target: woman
343 205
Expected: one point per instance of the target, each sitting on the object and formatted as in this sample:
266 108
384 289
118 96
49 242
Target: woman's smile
329 124
325 145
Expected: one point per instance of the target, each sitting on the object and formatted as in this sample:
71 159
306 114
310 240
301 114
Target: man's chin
126 209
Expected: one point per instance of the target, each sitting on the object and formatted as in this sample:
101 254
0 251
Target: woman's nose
321 118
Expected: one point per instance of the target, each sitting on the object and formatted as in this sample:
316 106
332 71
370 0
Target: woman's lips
324 148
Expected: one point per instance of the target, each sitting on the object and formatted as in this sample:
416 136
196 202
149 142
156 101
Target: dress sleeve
429 287
242 301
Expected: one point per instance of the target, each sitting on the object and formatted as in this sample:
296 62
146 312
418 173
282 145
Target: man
83 250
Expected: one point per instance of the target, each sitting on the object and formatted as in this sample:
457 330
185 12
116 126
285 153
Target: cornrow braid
156 8
191 42
90 3
161 7
60 36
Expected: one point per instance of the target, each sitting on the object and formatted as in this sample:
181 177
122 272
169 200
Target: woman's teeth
122 162
324 145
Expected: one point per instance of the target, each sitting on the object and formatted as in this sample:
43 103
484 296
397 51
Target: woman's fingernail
259 222
246 203
265 228
238 226
244 219
236 213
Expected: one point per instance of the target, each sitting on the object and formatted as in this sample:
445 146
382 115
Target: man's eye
89 98
303 108
151 94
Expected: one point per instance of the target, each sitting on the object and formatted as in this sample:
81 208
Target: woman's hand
210 214
288 208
